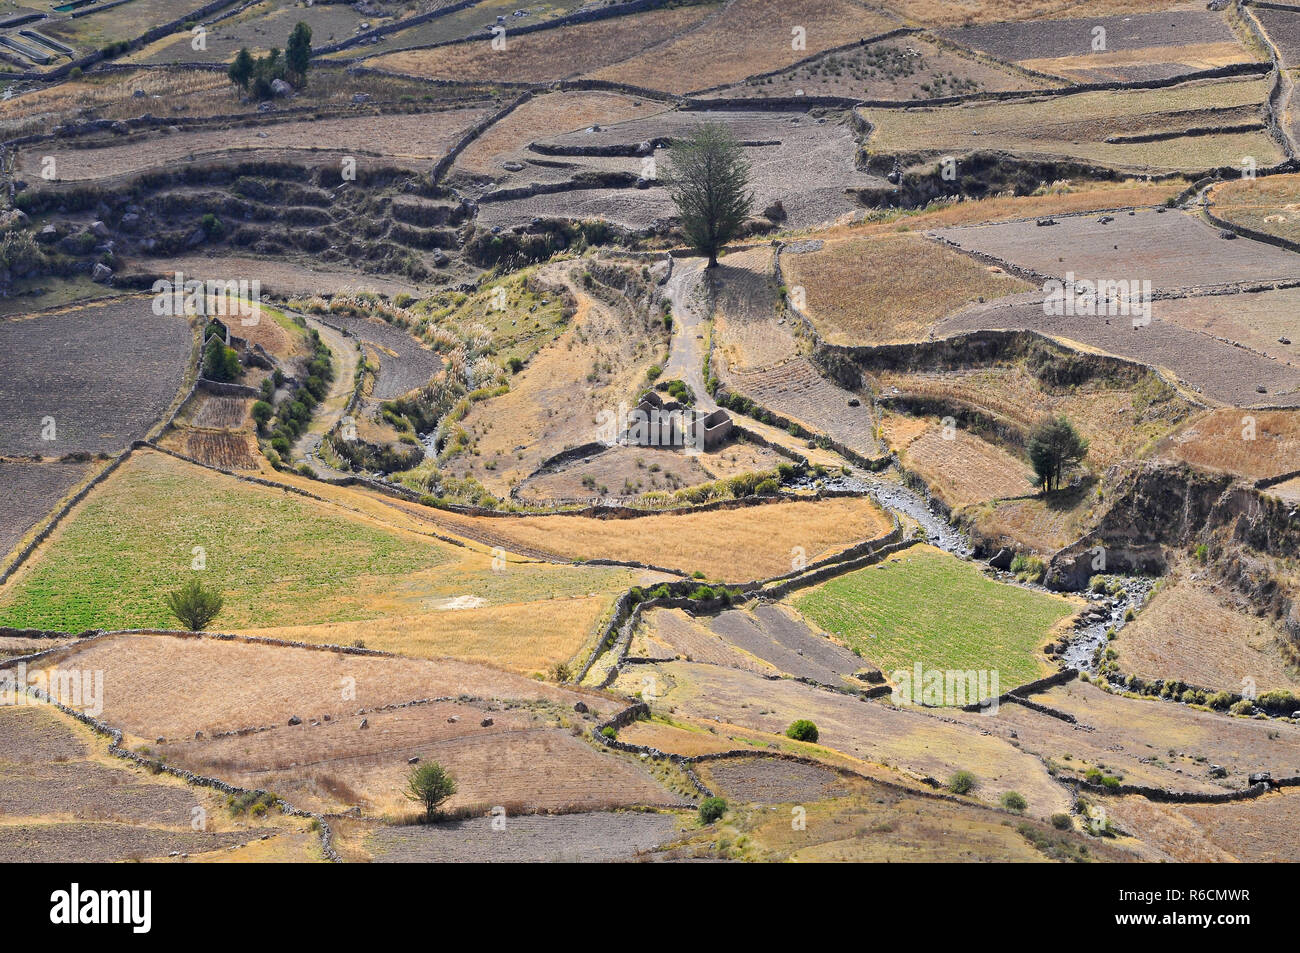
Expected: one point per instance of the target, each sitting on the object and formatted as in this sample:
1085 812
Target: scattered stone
365 723
486 723
415 760
295 720
580 707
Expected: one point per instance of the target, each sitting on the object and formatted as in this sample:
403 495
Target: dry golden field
545 116
882 289
728 545
1013 395
870 733
963 469
1254 444
1270 204
172 686
1254 831
412 138
548 55
1077 127
1189 633
743 38
556 631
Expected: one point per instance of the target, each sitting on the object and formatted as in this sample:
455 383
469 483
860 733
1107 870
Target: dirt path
687 290
331 409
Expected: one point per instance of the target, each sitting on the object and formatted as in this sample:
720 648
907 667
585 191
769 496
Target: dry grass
1119 421
731 545
543 117
1287 490
1189 633
956 12
526 759
1256 831
171 686
751 329
882 289
556 632
1270 205
1043 525
1115 65
1146 728
1253 444
679 738
746 37
1077 127
743 705
963 469
548 55
403 137
555 402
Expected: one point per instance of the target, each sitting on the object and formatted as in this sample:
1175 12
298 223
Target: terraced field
32 490
89 379
1086 131
865 609
476 243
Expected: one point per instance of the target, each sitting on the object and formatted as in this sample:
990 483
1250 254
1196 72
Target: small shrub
1062 822
1013 801
711 809
802 730
962 782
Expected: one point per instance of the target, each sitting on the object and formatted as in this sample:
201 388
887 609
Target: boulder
1002 559
365 723
101 273
580 707
99 229
280 89
485 723
295 720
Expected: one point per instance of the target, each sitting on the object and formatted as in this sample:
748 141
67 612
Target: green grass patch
929 607
277 558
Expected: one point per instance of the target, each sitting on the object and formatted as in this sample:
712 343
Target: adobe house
659 423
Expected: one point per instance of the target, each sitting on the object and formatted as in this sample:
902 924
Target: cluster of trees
256 75
291 417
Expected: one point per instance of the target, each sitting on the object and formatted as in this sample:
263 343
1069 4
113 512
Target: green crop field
926 606
278 558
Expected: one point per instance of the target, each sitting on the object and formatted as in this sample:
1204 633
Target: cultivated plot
968 622
88 379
